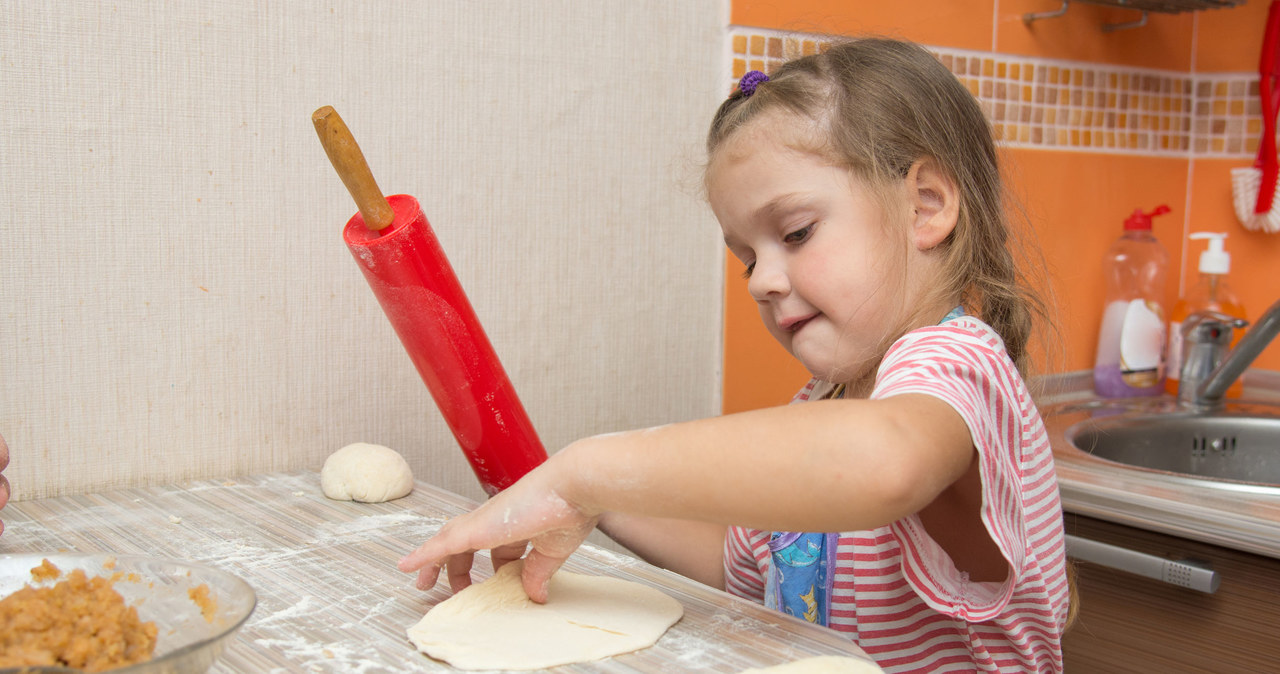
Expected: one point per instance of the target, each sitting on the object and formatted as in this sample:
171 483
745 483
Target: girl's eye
747 272
799 235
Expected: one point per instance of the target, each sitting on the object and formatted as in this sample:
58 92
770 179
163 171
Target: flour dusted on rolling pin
367 473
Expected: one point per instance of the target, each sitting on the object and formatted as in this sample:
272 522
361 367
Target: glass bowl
186 641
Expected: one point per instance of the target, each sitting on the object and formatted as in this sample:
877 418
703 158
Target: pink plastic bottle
1131 340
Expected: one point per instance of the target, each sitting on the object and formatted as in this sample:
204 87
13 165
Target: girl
860 189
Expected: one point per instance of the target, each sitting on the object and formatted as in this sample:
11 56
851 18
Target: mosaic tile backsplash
1074 106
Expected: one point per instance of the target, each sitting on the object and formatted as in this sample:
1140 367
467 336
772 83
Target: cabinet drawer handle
1191 575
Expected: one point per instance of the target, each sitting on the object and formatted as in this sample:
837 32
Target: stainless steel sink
1228 445
1200 434
1176 480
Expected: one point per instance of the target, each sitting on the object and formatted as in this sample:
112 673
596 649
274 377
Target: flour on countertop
334 657
330 598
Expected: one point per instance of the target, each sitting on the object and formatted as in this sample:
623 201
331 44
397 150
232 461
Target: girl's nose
767 279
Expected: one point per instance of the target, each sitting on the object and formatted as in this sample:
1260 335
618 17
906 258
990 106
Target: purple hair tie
747 85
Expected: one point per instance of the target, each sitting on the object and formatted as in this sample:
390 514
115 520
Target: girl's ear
934 202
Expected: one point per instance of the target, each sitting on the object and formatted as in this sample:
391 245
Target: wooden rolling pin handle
348 161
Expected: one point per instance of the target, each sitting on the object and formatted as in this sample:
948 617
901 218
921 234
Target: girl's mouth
794 325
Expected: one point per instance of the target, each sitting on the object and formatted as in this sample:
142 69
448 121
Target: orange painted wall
1077 201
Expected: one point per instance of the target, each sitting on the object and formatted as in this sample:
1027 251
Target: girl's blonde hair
880 105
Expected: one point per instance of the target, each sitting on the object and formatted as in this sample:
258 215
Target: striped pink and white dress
896 592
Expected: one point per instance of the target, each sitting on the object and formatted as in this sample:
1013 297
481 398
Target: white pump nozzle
1214 260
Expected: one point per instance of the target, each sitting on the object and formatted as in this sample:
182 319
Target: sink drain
1212 445
1220 448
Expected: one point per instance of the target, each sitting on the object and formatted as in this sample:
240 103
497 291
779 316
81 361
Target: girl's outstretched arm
828 465
831 465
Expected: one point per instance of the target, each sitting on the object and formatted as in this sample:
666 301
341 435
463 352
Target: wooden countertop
329 596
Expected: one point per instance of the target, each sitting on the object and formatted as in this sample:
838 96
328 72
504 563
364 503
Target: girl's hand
530 510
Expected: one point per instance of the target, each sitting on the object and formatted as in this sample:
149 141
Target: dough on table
821 664
494 624
367 473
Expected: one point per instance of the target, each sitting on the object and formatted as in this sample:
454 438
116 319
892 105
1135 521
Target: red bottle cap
1140 220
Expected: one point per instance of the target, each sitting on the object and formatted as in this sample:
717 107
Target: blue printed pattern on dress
801 575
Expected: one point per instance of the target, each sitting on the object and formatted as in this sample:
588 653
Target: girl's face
822 264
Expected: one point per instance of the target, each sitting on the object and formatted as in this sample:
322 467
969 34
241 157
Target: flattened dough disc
494 625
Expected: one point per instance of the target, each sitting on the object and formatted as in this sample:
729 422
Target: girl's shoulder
966 338
964 350
957 336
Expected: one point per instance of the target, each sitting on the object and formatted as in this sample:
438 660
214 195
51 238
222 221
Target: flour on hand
366 473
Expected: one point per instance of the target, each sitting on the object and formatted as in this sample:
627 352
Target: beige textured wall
176 301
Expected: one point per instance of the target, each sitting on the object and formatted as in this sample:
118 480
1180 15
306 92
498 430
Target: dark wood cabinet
1128 623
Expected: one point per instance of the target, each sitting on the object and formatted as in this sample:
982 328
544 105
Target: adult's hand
4 483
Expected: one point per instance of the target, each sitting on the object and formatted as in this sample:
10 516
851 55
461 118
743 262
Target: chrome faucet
1206 371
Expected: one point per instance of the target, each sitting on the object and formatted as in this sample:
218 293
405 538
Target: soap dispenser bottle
1131 340
1210 293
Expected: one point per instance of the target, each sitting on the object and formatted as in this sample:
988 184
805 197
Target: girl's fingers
527 510
449 541
503 554
536 576
424 558
428 576
459 567
547 554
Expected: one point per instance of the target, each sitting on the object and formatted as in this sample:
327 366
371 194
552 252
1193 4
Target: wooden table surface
329 596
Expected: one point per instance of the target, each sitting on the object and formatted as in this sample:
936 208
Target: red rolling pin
405 266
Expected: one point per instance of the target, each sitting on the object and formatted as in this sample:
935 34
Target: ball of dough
367 473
